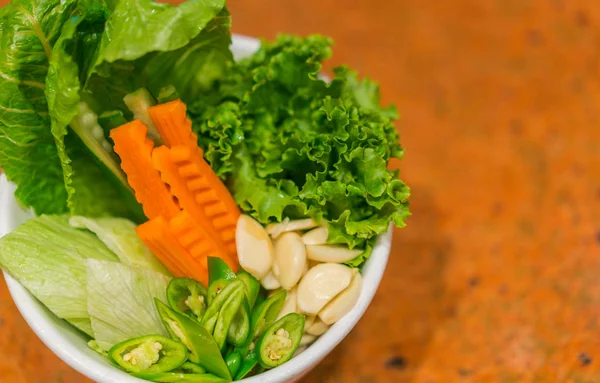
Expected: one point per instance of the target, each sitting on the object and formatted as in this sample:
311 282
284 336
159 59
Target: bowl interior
71 345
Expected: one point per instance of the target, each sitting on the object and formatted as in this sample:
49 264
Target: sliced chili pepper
170 377
203 348
191 368
252 286
234 362
263 315
151 354
209 320
218 269
188 297
227 313
248 365
239 330
280 341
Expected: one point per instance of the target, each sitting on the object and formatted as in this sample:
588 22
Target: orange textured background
497 277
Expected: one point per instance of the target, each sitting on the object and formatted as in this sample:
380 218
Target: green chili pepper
239 330
187 296
150 354
248 364
218 269
263 315
227 313
169 377
234 362
280 341
215 288
252 286
209 320
191 368
203 348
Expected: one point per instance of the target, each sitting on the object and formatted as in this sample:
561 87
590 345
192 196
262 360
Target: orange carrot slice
209 192
174 126
159 238
135 149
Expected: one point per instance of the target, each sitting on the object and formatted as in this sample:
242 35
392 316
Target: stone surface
496 277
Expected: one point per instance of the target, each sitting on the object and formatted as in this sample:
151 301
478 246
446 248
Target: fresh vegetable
118 234
219 270
234 362
249 363
173 124
290 144
135 151
188 297
252 286
48 257
120 301
203 348
168 377
191 368
149 354
138 103
222 310
254 247
280 341
321 284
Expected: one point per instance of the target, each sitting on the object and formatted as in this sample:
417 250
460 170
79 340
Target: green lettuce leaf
118 234
291 145
121 301
28 155
92 177
47 256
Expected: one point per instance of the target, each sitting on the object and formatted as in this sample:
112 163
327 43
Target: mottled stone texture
497 277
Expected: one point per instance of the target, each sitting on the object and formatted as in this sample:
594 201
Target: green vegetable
149 354
110 120
191 368
223 309
166 94
218 269
248 365
281 340
239 329
203 348
168 377
118 234
94 346
120 301
291 145
48 257
138 103
188 297
234 362
252 286
26 144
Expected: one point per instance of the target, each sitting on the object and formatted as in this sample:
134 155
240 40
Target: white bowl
71 346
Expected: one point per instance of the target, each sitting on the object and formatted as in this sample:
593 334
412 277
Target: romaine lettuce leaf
28 155
118 234
121 301
47 256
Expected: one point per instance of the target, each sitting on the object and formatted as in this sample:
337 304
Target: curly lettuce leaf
47 256
291 145
28 155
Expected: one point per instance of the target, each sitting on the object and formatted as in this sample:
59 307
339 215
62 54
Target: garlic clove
307 339
269 282
289 259
331 253
276 229
321 284
343 303
254 247
289 305
317 328
316 236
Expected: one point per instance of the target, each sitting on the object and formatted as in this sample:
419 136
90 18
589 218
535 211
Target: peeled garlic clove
305 270
321 284
289 260
331 253
316 328
269 282
343 303
275 229
289 305
310 319
316 236
254 247
307 339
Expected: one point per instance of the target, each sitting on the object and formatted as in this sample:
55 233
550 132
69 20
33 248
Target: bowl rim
61 338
